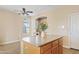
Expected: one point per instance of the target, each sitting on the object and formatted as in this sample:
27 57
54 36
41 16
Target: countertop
40 42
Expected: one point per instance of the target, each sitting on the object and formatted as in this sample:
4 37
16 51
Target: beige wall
10 26
58 18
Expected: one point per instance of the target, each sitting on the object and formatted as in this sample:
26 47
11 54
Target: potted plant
42 27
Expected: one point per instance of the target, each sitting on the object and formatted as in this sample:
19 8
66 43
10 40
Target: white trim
66 46
9 42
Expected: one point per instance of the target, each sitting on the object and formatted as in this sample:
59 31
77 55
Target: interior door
74 31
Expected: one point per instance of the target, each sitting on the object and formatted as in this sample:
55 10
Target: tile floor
70 51
13 48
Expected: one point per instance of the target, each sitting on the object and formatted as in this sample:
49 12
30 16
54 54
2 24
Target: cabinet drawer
55 43
45 47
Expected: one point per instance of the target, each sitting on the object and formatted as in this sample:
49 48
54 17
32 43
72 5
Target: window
26 27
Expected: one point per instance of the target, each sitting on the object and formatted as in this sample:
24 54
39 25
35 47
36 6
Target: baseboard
9 42
66 46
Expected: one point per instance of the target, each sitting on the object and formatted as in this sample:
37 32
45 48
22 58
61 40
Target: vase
42 35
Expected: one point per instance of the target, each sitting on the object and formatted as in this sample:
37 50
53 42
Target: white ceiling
34 8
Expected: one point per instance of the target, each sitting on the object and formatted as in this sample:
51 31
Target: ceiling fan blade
29 11
24 10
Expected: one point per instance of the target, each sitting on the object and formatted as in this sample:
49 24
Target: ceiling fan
24 12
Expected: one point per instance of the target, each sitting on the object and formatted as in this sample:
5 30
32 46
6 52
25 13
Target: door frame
69 22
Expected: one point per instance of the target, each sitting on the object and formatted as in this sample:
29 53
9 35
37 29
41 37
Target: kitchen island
52 44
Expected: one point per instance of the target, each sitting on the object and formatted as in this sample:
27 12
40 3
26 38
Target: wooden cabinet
54 47
60 46
55 50
60 51
45 48
51 47
47 52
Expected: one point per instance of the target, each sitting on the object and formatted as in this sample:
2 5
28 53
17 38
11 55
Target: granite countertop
40 42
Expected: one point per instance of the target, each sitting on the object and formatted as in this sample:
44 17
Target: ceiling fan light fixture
24 12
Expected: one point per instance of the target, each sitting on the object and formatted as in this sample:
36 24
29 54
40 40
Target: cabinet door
55 47
55 43
60 50
45 48
55 50
61 42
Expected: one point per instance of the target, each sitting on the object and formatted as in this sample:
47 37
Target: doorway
74 30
